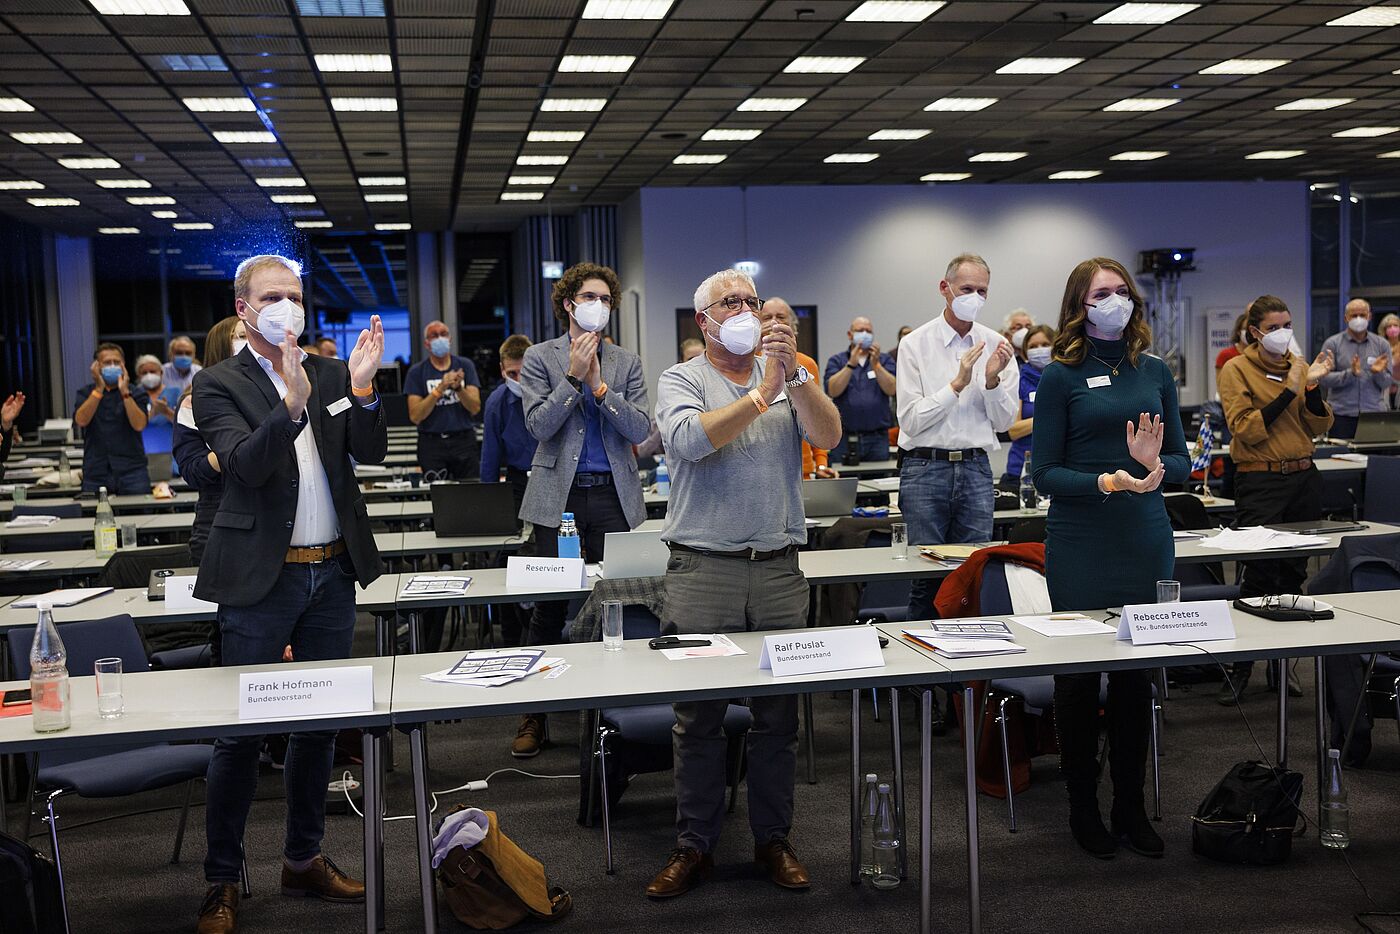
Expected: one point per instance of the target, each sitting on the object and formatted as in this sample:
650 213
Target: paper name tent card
435 585
70 597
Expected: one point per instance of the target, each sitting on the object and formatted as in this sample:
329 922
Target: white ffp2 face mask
966 307
1277 342
1018 337
276 319
1111 314
739 334
592 316
1358 323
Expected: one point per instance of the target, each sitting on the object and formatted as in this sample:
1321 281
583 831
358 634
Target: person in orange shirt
777 310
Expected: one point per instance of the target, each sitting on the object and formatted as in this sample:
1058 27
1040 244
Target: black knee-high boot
1129 706
1077 730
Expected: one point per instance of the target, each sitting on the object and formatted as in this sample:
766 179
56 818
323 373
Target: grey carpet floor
1036 880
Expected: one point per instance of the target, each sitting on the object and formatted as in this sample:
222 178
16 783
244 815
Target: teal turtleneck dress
1103 551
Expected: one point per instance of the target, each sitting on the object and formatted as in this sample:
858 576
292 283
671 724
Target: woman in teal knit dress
1107 434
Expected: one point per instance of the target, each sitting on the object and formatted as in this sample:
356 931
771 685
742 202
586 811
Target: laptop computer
1317 526
633 554
829 497
472 508
1374 427
155 584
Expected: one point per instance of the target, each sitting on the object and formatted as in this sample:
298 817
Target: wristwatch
800 377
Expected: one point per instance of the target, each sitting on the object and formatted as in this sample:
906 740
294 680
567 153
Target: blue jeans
122 480
944 502
312 609
873 446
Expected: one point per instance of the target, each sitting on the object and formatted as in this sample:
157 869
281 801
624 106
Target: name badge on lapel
338 406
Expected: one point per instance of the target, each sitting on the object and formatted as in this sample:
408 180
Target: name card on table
179 594
803 653
1156 623
311 692
545 573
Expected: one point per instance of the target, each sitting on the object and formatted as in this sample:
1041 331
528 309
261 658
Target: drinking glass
1169 591
109 687
612 625
21 494
899 541
128 530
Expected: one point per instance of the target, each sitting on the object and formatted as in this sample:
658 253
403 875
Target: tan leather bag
496 884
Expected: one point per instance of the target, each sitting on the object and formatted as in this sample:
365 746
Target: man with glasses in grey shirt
733 424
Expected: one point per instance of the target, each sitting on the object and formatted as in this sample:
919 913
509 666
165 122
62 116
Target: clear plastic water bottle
885 843
1029 499
568 537
104 527
1335 811
48 676
869 809
663 477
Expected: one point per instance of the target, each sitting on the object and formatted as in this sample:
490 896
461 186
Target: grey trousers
708 594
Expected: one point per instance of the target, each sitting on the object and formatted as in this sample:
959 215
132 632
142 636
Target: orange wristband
1108 484
363 393
601 391
758 401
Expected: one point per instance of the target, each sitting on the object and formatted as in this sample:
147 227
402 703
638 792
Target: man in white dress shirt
956 388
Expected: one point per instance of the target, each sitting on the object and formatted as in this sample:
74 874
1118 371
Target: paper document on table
22 564
720 646
1354 458
493 668
31 522
883 484
962 648
70 597
964 629
435 585
1259 538
30 462
1181 535
1064 624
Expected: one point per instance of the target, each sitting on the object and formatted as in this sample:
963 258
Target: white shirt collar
945 331
265 363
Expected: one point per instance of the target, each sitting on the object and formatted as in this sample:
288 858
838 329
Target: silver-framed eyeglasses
583 298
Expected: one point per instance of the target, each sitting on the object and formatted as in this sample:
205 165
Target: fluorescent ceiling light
596 64
541 160
898 134
281 181
626 9
997 156
119 230
1315 103
573 104
150 199
393 226
123 183
554 136
364 104
141 7
522 195
354 61
193 63
836 157
193 225
164 215
386 198
20 184
961 104
46 138
1276 154
293 199
1072 174
1141 104
772 104
729 136
379 181
1365 132
823 64
15 105
53 202
945 176
87 162
1369 16
1038 66
1138 155
312 225
340 7
1245 66
234 137
219 104
698 159
530 180
894 11
1144 14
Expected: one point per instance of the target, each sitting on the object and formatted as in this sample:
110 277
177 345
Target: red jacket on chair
961 593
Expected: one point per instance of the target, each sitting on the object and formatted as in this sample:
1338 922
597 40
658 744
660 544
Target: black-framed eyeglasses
734 303
583 298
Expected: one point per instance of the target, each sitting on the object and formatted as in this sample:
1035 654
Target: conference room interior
448 161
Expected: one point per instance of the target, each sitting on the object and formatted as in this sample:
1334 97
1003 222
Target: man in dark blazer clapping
289 542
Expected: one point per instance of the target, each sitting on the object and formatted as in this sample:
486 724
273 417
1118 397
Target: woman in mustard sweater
1274 409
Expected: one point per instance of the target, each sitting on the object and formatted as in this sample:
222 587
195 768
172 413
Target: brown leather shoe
686 869
529 739
780 862
219 913
323 880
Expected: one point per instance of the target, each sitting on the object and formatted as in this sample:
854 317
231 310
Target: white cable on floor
348 783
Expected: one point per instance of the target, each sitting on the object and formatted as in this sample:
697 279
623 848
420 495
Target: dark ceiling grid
476 69
391 23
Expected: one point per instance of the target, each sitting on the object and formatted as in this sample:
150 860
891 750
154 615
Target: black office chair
50 541
1029 529
1382 480
1199 581
169 645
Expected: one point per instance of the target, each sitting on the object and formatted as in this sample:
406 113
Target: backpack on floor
30 899
1250 816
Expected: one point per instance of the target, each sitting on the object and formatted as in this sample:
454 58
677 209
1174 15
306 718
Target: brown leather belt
314 554
1284 467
